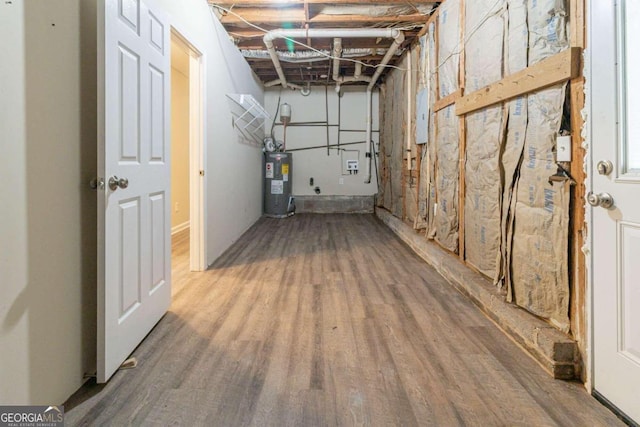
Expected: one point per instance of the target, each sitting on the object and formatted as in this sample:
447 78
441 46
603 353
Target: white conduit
397 41
389 33
337 53
409 110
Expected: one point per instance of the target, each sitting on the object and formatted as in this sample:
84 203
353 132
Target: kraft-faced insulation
541 229
516 60
447 142
446 212
516 222
484 24
397 142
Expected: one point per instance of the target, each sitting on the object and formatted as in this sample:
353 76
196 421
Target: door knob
605 167
115 183
604 200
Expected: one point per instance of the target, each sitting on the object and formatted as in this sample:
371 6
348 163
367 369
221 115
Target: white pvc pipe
367 149
272 83
337 53
397 41
324 33
396 35
357 77
409 110
358 73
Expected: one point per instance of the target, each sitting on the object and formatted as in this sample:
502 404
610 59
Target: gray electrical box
422 117
277 170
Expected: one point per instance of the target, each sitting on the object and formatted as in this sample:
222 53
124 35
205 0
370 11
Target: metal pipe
326 111
313 56
317 147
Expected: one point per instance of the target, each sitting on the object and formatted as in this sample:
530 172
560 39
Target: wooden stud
462 135
431 19
405 171
558 68
577 278
449 99
418 175
436 48
578 21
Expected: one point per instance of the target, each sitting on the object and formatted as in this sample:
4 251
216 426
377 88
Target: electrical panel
422 117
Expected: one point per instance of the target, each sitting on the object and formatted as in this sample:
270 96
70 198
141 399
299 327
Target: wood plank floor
328 320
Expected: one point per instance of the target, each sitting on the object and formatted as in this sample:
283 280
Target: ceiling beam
272 3
288 15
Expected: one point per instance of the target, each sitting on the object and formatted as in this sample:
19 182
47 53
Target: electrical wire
463 43
257 27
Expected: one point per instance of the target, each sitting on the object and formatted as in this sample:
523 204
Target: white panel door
615 138
134 288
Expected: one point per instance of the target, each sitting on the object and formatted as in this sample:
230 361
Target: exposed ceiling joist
241 17
280 3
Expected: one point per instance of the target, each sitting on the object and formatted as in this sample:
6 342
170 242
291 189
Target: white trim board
180 227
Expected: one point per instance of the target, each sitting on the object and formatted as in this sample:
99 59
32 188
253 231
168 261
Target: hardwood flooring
321 320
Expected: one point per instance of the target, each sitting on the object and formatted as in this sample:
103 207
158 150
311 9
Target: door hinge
97 184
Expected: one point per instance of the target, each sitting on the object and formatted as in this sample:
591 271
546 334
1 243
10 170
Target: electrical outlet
341 181
563 149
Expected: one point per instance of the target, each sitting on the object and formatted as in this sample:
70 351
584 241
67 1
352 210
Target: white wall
47 157
179 136
47 211
327 170
232 168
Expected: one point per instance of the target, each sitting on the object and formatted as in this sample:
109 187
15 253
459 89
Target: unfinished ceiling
247 21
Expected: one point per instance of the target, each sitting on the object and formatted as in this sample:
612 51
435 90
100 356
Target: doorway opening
187 171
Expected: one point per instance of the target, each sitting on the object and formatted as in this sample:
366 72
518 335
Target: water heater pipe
390 33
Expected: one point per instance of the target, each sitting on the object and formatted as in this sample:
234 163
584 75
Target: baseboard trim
556 352
178 228
334 204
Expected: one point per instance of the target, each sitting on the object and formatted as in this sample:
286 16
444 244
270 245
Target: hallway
328 320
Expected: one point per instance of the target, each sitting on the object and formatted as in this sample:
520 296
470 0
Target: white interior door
615 131
134 289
